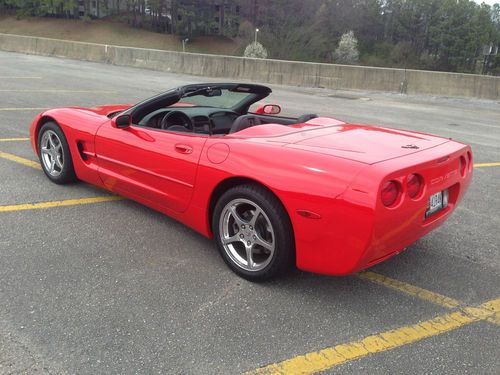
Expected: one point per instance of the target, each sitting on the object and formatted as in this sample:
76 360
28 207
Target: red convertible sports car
331 197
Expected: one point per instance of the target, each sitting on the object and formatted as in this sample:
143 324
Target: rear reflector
390 193
414 185
463 166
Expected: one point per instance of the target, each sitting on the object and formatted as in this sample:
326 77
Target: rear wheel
253 232
54 154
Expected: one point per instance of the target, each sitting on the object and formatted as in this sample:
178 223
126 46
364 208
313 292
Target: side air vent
81 150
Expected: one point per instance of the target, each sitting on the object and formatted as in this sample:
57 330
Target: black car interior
159 112
212 121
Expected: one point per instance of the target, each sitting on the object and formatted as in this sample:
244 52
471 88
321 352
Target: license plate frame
437 202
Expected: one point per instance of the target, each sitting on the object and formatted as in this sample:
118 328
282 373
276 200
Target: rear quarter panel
301 180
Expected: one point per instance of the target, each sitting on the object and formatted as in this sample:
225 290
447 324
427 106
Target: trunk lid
366 144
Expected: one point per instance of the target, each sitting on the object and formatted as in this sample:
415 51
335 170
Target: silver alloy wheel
247 234
52 153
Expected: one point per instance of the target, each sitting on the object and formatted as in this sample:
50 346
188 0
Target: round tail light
390 193
414 185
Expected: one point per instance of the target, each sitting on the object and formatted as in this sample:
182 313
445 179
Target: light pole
184 41
256 31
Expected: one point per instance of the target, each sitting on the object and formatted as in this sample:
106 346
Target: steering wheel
177 121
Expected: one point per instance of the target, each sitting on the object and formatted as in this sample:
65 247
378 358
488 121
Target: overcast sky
490 2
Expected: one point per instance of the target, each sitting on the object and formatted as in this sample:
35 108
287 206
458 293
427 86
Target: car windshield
228 99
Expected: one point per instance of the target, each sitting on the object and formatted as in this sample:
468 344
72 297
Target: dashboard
204 120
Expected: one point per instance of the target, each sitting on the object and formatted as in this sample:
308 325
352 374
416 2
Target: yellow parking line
13 139
481 165
424 294
492 305
412 290
67 202
20 160
325 359
23 109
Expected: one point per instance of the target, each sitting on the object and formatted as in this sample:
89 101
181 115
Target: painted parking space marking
20 160
482 165
415 291
328 358
62 203
424 294
13 139
50 204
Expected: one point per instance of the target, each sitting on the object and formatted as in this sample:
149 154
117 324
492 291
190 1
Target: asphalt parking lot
108 286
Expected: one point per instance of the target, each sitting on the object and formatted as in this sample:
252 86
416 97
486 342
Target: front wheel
54 154
253 232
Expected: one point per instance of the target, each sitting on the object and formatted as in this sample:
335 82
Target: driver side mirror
269 109
122 121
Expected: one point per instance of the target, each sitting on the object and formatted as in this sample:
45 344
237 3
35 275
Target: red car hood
366 144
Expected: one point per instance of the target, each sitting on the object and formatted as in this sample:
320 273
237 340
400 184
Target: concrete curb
291 73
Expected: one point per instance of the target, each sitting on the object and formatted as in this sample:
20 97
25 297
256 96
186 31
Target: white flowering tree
255 50
347 51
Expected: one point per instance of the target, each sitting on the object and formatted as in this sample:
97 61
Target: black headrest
243 122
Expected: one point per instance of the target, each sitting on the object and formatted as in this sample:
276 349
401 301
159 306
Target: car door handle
183 149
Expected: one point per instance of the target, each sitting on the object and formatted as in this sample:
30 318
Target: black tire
63 175
283 252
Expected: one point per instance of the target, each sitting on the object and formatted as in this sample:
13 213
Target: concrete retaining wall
291 73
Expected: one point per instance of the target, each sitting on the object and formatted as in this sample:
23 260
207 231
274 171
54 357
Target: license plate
437 202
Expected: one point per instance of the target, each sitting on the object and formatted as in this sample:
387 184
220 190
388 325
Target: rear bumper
359 231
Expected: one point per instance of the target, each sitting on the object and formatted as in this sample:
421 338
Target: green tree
430 34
